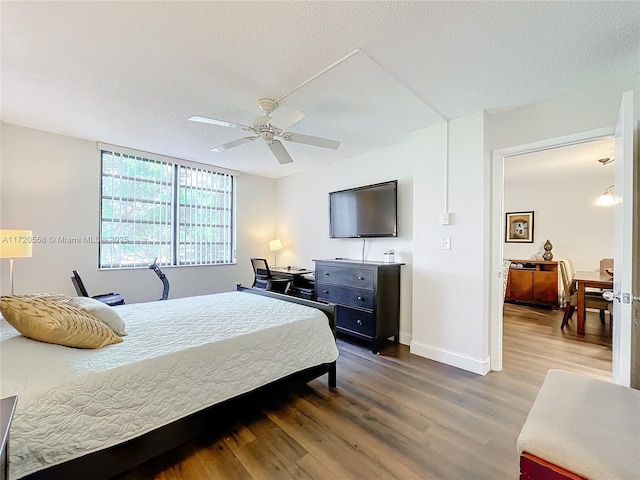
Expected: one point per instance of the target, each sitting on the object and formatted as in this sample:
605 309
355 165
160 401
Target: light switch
444 218
446 243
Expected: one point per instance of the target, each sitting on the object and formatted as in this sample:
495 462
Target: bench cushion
587 426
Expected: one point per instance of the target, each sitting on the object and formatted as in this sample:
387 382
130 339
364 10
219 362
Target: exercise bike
163 277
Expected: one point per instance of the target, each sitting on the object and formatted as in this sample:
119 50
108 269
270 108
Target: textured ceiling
575 162
132 73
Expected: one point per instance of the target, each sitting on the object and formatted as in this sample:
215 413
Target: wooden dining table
584 280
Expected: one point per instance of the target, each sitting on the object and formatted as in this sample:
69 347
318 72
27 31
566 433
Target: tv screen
369 211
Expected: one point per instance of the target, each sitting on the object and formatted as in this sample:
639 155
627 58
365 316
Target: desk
293 271
584 280
301 286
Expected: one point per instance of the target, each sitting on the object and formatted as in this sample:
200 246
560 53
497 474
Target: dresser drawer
356 297
354 277
355 321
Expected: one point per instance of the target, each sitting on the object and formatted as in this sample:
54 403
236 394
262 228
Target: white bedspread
180 356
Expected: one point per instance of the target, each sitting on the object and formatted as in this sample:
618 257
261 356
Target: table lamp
15 244
274 246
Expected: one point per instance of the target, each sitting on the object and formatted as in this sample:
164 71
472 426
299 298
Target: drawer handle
325 291
360 298
359 322
360 278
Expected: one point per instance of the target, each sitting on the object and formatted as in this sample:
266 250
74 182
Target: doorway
498 222
560 186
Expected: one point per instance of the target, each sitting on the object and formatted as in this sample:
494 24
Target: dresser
367 295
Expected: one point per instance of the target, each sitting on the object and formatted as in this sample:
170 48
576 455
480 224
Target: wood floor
396 415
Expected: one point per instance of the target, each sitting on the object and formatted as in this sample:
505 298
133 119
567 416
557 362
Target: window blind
150 209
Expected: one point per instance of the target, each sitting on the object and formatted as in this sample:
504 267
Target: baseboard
405 339
455 359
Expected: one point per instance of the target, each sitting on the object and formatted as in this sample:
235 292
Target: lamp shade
275 245
15 243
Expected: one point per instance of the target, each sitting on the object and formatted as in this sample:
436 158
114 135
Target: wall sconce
15 244
274 246
607 199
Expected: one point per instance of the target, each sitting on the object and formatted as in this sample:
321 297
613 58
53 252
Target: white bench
589 428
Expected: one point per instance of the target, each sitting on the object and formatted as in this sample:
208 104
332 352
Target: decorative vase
547 251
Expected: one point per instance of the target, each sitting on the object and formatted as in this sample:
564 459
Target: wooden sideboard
536 283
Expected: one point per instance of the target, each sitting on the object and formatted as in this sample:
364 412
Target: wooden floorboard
396 415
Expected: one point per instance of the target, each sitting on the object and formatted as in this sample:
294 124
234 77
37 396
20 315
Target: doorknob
609 296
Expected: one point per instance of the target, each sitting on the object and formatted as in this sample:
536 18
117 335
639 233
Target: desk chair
263 278
591 299
111 299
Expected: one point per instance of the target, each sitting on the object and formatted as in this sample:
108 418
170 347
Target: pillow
53 320
48 297
101 311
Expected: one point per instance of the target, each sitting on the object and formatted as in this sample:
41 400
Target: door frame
497 223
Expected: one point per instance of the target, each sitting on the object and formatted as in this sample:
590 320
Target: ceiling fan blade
222 123
284 116
235 143
309 140
280 152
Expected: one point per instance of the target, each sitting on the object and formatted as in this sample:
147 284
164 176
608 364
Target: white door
623 244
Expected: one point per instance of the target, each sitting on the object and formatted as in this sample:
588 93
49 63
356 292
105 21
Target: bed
96 413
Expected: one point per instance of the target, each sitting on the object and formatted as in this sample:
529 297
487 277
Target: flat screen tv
369 211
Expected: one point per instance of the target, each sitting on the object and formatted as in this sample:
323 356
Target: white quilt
180 356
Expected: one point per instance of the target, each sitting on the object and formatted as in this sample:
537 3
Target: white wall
450 317
573 113
303 215
565 214
51 185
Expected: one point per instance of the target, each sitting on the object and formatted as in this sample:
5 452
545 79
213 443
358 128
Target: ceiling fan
272 125
268 127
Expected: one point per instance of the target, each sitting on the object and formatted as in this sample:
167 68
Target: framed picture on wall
519 227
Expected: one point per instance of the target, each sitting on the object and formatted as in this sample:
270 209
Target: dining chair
591 299
263 278
506 265
606 263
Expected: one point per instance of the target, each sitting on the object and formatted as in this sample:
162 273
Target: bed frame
112 461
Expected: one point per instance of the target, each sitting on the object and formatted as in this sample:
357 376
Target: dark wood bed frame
112 461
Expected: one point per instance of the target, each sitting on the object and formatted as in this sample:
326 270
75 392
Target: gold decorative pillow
47 297
49 318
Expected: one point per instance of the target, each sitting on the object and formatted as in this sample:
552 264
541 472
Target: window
149 208
205 216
